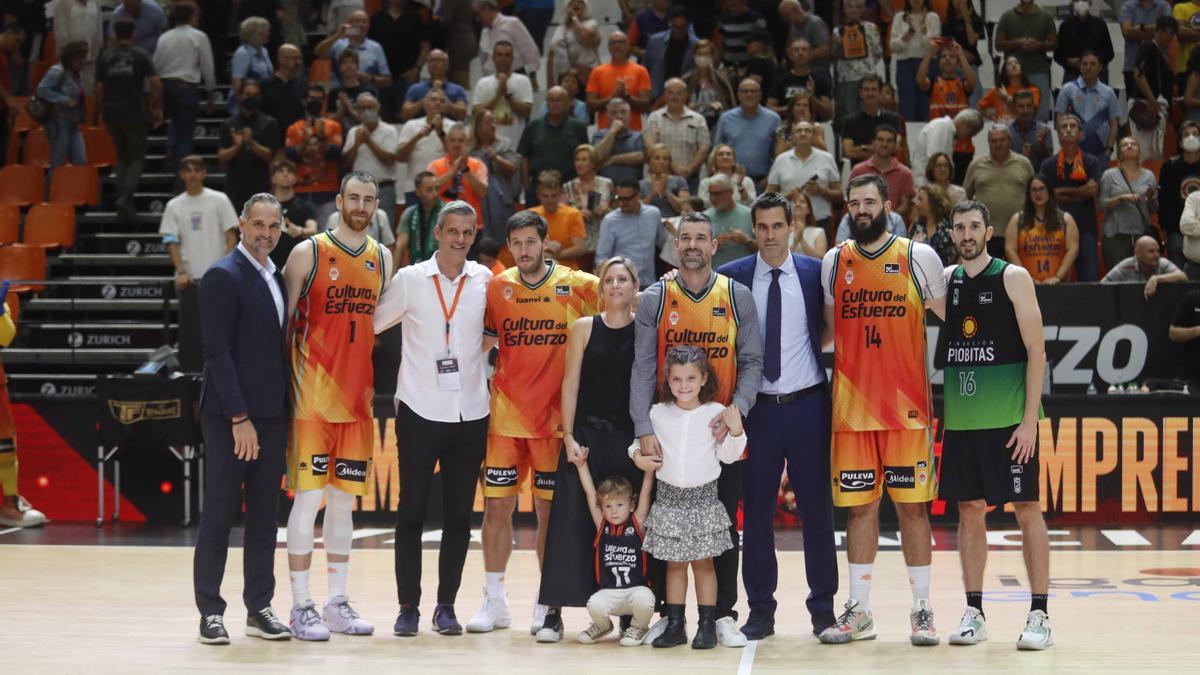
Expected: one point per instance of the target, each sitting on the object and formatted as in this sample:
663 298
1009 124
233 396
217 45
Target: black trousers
458 448
223 496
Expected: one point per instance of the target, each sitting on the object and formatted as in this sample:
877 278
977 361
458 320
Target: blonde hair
254 25
711 162
611 263
612 488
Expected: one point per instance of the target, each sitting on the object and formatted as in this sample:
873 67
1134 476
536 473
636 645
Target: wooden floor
130 609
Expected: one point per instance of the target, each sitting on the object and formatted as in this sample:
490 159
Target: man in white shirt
509 95
182 59
939 136
499 28
442 406
790 421
371 148
422 140
198 227
682 130
809 170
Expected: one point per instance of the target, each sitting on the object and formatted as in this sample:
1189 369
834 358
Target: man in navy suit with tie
243 407
790 421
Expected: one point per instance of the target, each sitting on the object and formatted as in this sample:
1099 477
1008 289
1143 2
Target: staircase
109 302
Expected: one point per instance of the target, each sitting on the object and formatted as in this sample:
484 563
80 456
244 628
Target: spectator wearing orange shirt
999 104
460 176
315 144
619 78
949 92
566 236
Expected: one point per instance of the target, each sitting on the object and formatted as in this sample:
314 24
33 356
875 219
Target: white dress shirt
526 55
268 274
184 53
691 456
797 367
412 298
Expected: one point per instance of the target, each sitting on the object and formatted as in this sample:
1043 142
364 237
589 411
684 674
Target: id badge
447 374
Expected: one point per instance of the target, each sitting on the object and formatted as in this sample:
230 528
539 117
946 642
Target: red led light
166 487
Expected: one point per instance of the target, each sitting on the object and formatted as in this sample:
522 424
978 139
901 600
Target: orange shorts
865 462
333 453
509 461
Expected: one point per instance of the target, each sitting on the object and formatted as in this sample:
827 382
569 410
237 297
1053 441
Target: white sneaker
1037 632
971 630
853 624
492 614
655 631
539 618
306 624
340 617
594 632
728 634
923 632
16 512
633 637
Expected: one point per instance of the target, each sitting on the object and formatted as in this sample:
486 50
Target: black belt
181 81
788 398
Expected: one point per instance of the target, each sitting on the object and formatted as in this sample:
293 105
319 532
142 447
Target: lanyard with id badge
447 365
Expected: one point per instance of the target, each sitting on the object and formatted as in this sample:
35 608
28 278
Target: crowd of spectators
681 107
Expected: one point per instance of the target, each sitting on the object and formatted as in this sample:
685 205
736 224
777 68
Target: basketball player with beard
334 281
993 354
877 286
530 309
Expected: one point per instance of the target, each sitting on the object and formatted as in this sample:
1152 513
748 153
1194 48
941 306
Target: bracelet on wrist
241 421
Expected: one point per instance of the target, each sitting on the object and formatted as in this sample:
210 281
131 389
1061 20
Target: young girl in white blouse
687 525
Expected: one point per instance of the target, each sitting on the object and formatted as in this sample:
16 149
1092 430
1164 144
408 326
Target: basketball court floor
76 599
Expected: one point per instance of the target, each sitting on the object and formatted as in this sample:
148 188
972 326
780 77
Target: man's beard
870 232
349 222
980 249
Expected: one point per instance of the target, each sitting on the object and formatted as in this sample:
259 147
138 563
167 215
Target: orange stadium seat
99 147
24 121
50 226
75 185
14 305
22 184
23 263
320 72
37 149
10 223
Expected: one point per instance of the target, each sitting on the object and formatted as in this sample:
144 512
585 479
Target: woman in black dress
595 397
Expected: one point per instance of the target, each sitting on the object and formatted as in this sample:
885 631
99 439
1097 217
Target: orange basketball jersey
709 321
1041 252
532 323
332 333
880 379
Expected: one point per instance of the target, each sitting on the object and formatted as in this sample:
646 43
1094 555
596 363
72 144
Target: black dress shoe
264 624
212 630
759 625
822 621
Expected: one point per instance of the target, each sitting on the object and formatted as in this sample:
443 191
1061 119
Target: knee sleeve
301 521
8 469
338 529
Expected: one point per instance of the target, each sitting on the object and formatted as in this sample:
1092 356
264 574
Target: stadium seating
37 149
75 185
20 262
22 185
50 226
99 146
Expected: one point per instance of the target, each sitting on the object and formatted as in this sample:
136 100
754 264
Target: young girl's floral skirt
687 524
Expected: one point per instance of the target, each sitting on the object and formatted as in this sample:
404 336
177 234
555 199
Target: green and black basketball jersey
981 352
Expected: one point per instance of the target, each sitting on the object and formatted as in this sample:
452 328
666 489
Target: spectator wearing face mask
1079 32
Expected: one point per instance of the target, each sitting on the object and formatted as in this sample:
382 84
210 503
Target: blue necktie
774 328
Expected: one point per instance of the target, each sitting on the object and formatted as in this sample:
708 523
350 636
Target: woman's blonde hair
254 25
611 263
711 162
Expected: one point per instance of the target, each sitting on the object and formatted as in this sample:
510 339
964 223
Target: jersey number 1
353 325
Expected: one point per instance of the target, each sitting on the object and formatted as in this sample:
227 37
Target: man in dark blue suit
243 407
790 421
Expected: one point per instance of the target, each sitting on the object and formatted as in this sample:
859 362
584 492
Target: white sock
494 581
300 594
338 571
860 584
918 578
